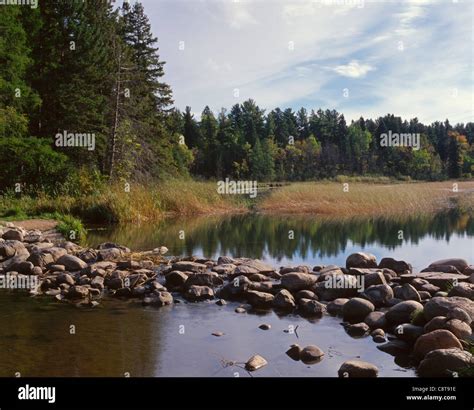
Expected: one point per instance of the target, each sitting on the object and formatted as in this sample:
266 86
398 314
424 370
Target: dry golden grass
329 198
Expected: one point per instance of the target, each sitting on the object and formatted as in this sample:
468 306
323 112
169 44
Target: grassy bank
114 204
374 199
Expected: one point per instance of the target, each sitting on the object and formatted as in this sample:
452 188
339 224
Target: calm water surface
123 337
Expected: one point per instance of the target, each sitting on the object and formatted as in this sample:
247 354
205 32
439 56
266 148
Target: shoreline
417 314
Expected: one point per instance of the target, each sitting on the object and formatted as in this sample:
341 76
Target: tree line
87 67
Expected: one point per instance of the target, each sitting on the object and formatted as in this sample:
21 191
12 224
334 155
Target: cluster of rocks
427 315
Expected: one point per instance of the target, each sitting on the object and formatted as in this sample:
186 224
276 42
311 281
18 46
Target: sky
362 58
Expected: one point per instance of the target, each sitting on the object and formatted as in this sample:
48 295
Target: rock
379 339
265 326
296 281
376 278
266 287
210 279
294 352
240 310
217 334
463 289
245 271
403 312
357 330
124 292
23 267
221 302
335 307
224 269
408 292
437 339
222 260
98 282
111 245
442 268
361 260
440 306
442 280
255 362
311 354
13 235
379 295
11 248
284 300
65 278
460 329
458 313
235 288
258 277
376 320
443 362
468 270
256 264
459 264
115 283
357 309
408 332
305 294
37 270
396 266
311 307
43 259
197 293
110 254
289 269
187 266
377 332
159 299
395 347
259 299
357 368
424 295
77 292
71 262
337 285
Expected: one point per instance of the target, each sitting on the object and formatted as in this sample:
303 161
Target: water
121 338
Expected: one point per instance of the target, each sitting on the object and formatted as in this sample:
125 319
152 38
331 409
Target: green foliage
32 163
71 228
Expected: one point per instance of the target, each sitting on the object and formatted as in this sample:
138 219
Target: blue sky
410 58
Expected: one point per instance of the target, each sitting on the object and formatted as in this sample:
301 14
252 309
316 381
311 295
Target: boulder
210 279
289 269
311 354
224 269
458 313
311 307
175 279
13 235
437 339
361 260
408 332
442 280
463 289
459 264
259 299
65 278
335 307
357 330
296 281
305 294
407 292
197 293
397 266
376 320
77 292
357 309
443 362
440 306
403 312
187 266
284 300
460 329
379 295
71 262
256 264
357 368
294 352
159 299
255 362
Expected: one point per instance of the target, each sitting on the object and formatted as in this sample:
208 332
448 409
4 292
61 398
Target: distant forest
85 67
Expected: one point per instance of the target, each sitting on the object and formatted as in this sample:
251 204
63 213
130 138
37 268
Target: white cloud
354 69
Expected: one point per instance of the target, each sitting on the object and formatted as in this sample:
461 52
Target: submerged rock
444 362
311 354
357 368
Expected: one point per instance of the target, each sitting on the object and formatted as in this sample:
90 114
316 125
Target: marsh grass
373 199
111 204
